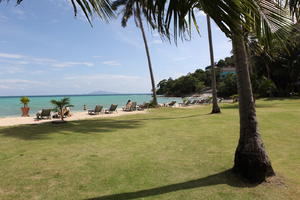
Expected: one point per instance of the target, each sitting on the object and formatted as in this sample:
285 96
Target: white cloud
18 83
17 59
14 62
103 77
71 64
111 63
11 70
15 56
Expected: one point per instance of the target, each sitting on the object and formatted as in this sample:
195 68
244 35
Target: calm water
10 106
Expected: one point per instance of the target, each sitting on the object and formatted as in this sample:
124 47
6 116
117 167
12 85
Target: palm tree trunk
148 56
215 106
61 114
251 160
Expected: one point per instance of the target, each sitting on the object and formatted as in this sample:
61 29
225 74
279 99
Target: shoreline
18 120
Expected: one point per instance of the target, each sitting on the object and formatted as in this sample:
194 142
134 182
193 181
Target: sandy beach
13 121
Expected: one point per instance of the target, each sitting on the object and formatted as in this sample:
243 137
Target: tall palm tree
134 7
215 106
234 18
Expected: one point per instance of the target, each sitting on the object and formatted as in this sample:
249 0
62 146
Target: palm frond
261 18
102 8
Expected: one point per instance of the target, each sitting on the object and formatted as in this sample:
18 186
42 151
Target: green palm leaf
89 7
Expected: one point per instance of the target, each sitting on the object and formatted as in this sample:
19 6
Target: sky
46 50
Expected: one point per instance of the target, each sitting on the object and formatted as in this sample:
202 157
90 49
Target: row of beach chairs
98 109
48 113
113 108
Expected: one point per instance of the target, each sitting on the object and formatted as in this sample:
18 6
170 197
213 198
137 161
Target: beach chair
171 104
132 107
186 103
44 113
113 108
194 102
96 111
145 105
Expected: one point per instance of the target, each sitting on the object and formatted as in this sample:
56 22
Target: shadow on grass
236 106
225 177
42 131
96 126
171 118
280 98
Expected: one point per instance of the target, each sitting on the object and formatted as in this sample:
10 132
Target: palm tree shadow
43 131
225 177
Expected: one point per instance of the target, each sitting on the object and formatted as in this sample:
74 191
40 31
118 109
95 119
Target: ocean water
11 106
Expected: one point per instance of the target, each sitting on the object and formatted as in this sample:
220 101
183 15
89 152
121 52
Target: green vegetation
61 105
282 69
166 154
24 101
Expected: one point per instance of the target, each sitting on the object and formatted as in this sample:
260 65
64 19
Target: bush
25 101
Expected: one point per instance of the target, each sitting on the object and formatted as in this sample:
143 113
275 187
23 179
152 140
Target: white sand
12 121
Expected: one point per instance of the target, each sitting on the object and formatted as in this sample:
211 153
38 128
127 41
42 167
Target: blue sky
44 49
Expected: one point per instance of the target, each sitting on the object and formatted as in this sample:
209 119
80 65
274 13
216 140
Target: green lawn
174 154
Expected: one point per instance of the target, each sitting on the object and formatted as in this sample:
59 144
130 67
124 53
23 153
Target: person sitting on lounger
128 105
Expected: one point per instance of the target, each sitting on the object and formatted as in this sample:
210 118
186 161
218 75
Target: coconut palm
61 106
215 107
135 8
234 18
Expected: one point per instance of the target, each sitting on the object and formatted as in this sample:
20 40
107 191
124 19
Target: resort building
230 69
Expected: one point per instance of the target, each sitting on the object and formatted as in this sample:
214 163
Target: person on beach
128 104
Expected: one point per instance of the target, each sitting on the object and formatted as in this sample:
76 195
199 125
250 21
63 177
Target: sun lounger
113 108
143 106
44 113
96 111
172 103
185 103
132 107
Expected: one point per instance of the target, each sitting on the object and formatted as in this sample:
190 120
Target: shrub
25 101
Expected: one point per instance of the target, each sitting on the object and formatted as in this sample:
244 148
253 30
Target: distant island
101 92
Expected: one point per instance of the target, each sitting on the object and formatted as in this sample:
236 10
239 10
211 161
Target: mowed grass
174 154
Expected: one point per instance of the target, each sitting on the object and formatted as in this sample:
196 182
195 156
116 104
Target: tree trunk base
216 110
253 166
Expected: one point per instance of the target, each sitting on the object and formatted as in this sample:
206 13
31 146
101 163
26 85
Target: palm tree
61 106
134 7
234 18
215 107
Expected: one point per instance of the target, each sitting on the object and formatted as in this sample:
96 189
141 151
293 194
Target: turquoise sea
10 106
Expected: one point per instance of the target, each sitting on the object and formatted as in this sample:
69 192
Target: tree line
274 73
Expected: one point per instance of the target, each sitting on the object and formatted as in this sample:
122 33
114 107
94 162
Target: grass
166 154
